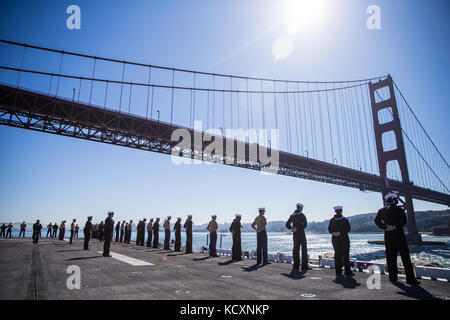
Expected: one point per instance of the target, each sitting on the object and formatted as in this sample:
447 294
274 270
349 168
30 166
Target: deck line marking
129 260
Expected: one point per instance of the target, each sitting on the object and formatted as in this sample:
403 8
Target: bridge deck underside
39 112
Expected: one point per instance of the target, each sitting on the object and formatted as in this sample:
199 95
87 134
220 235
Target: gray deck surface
29 271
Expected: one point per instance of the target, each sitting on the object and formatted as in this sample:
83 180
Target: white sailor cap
262 209
179 218
300 205
390 195
338 207
110 212
238 215
189 215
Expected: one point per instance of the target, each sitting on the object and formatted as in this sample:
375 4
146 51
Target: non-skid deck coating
30 271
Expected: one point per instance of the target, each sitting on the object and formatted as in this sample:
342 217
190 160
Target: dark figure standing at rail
188 226
108 233
149 233
36 231
156 234
212 228
87 233
235 229
339 227
177 229
23 227
392 219
117 231
297 223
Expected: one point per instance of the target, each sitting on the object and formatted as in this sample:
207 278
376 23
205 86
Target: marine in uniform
9 230
188 227
76 230
87 233
117 231
297 223
108 233
166 227
156 233
122 230
23 226
128 231
177 229
235 229
36 231
392 219
101 229
2 232
62 230
212 228
55 230
339 227
141 233
261 237
49 230
149 233
72 230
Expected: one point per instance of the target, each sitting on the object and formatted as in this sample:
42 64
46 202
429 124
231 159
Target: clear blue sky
55 178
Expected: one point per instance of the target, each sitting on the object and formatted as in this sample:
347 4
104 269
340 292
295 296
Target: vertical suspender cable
171 100
92 81
338 129
324 157
121 87
106 94
148 90
60 69
21 67
367 128
329 124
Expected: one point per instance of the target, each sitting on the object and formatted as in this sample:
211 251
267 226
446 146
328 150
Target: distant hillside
360 223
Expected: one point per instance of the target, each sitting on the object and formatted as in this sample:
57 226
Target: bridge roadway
30 271
30 110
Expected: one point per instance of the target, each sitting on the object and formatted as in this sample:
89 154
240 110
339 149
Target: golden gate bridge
359 133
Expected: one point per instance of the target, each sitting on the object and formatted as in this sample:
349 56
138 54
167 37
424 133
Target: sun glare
303 14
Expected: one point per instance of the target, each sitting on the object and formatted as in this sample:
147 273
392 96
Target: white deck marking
129 260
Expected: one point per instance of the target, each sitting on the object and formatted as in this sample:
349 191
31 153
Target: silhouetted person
188 226
23 226
76 231
62 230
140 239
339 227
108 233
100 231
117 231
9 230
297 223
122 230
156 234
212 228
177 229
129 230
87 233
166 227
2 231
392 218
49 230
149 233
55 230
36 231
261 237
72 230
235 229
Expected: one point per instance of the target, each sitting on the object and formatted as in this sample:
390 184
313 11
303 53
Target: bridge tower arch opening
382 98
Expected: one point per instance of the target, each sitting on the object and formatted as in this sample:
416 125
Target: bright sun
303 14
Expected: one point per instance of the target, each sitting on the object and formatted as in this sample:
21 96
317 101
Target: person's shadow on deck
347 282
252 268
227 262
83 258
416 292
296 275
201 259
